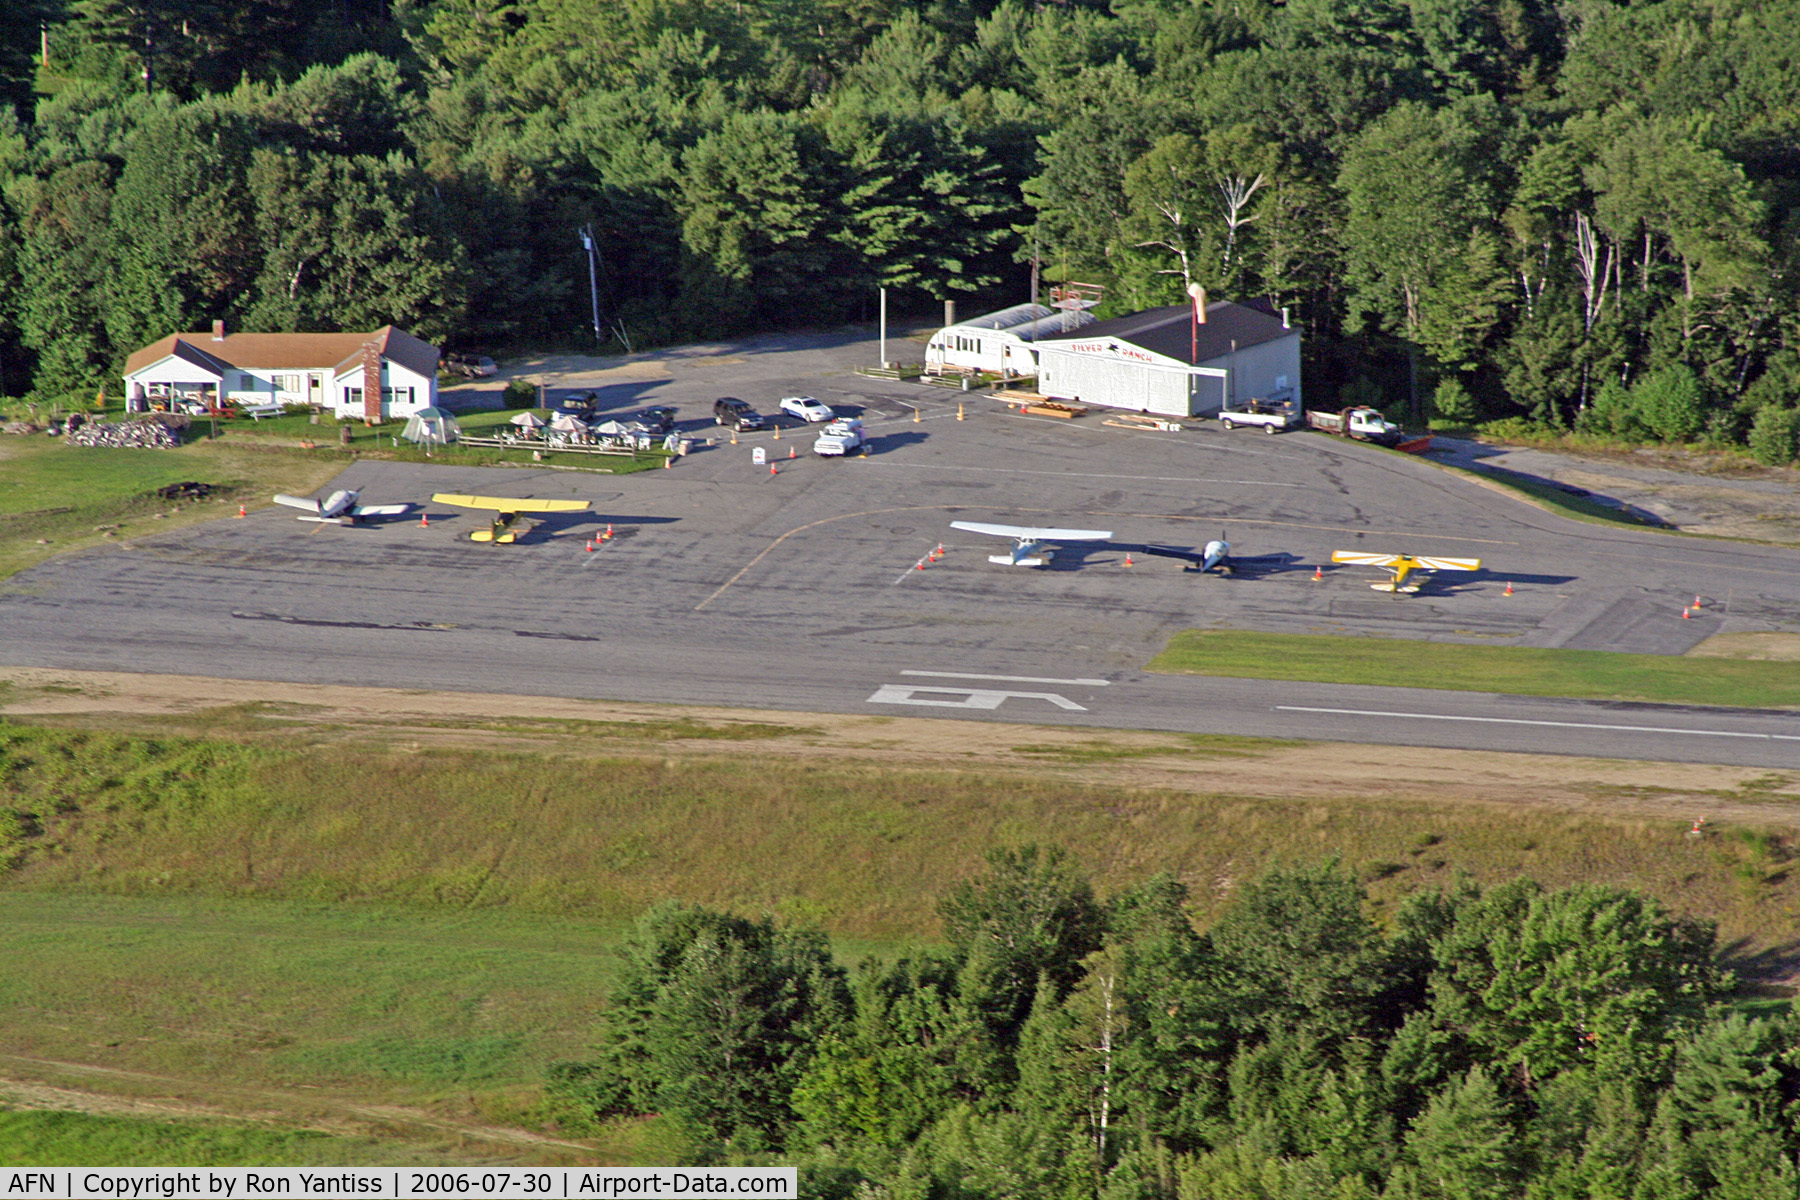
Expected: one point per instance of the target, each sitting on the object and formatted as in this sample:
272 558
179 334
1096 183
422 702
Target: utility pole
587 243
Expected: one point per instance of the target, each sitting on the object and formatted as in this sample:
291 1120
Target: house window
287 383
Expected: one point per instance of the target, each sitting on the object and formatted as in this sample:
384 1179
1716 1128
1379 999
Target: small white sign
758 457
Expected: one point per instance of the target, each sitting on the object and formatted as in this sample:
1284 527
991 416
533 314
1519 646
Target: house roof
1169 331
1021 319
287 351
398 346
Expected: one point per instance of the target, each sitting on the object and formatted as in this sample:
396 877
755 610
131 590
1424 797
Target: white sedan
807 409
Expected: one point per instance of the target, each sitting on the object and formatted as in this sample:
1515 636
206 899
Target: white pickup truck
841 437
1272 417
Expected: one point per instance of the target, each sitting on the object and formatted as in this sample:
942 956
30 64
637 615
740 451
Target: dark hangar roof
1168 330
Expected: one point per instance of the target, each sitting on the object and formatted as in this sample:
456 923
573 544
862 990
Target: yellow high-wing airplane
1402 565
506 513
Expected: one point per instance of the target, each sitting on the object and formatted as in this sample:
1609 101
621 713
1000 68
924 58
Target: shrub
521 393
1670 403
1775 437
1452 402
1611 412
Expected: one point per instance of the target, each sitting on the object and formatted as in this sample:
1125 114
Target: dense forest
1578 214
1499 1043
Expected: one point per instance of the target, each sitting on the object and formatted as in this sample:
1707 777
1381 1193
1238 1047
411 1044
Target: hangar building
1000 342
1161 361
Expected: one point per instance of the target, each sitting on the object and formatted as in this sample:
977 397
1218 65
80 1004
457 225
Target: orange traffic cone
1318 573
590 545
609 532
790 452
1128 559
242 511
940 550
772 469
424 520
1508 590
919 566
668 462
1684 613
1696 602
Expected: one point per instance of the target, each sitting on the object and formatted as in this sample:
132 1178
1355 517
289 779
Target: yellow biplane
1402 565
506 513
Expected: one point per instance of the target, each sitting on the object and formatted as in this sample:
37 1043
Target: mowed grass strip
1520 670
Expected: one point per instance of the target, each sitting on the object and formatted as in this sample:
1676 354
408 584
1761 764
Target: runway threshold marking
983 698
1729 733
1009 678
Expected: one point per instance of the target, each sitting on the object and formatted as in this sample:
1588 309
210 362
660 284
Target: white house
1000 341
375 376
1175 361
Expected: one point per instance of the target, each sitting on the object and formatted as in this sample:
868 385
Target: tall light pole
884 329
587 243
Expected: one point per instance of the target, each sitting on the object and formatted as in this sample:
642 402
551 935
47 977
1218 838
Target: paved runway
798 591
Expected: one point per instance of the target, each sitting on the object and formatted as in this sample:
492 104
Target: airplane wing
1367 560
1034 535
1451 564
1174 552
505 505
311 506
380 510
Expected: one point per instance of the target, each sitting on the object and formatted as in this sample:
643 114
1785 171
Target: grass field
285 919
1520 670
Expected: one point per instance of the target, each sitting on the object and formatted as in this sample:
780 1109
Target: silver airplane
341 508
1028 542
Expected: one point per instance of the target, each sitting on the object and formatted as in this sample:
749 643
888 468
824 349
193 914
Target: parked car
578 403
471 366
729 410
841 437
659 420
807 409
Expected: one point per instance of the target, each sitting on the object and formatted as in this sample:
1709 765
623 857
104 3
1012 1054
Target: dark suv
729 410
659 420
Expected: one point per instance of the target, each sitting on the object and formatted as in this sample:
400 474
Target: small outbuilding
1182 360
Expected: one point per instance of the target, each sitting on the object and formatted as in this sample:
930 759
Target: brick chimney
218 331
371 364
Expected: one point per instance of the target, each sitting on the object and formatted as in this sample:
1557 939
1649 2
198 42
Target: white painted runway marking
900 693
1357 712
1010 678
